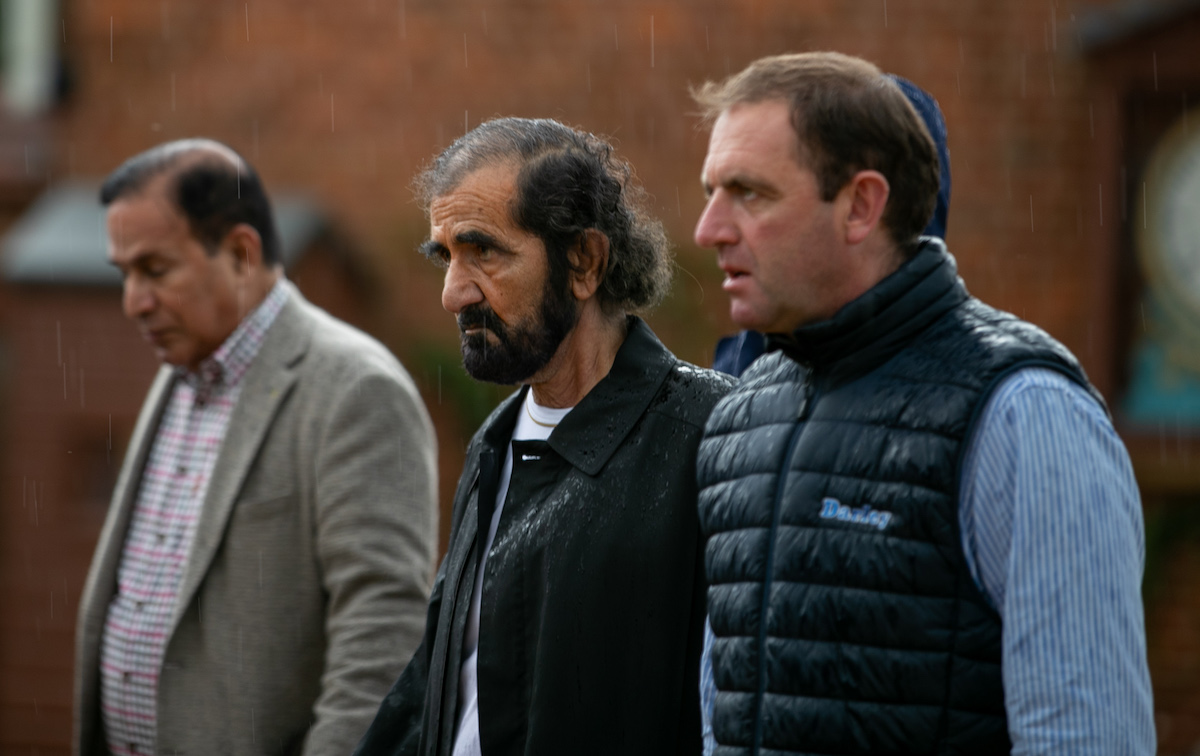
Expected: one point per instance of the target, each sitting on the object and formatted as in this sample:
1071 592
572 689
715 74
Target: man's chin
171 354
493 366
747 321
748 317
168 356
484 370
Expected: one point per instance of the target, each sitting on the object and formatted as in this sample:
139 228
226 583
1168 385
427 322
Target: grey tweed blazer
305 591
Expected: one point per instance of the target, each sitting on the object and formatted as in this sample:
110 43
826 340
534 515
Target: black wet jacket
593 598
847 620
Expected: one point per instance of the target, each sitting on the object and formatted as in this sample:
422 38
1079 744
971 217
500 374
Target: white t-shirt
535 423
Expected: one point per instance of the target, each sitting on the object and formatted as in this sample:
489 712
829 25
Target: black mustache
479 316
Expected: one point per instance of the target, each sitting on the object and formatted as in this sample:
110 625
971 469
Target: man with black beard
567 614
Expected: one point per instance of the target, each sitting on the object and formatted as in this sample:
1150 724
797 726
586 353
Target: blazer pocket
265 508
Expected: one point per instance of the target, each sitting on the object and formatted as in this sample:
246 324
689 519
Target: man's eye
484 251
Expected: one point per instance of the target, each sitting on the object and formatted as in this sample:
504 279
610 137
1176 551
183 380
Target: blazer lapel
102 578
267 383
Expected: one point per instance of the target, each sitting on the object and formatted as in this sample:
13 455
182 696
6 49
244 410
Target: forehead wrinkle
467 209
478 226
155 223
195 151
508 172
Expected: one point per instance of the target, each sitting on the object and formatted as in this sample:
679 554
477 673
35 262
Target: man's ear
245 244
864 198
589 262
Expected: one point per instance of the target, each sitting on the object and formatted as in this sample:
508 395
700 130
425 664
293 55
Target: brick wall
74 365
348 99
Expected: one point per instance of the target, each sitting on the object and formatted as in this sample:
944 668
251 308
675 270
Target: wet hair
209 183
848 116
568 181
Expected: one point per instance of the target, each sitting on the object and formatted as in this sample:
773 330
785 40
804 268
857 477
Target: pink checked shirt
162 527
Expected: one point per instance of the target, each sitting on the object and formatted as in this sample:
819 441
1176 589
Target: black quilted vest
830 482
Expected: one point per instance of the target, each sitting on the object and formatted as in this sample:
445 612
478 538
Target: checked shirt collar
228 364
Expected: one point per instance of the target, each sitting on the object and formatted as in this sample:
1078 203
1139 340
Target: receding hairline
188 152
501 144
780 79
177 159
511 167
512 161
172 159
512 164
764 80
796 148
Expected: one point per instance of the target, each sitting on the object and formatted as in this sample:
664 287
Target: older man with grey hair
567 614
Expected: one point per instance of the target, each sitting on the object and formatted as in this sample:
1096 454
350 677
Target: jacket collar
589 435
874 327
229 363
268 382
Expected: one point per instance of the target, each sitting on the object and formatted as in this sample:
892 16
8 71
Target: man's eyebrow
479 239
740 182
432 249
139 259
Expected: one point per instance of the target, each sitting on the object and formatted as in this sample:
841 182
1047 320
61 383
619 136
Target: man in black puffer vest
924 535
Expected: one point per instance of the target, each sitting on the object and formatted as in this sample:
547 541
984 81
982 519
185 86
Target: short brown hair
848 117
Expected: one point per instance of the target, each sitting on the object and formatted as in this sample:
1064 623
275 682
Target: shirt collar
590 433
229 363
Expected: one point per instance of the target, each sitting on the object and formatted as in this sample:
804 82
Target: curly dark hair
569 181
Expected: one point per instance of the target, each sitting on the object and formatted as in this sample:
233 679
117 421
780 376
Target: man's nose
715 228
137 297
459 288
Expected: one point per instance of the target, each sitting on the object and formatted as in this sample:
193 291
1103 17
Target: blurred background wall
1075 144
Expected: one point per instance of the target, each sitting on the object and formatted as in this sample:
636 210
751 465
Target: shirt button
125 677
181 470
133 747
160 537
139 605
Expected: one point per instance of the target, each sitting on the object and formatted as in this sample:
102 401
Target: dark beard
523 348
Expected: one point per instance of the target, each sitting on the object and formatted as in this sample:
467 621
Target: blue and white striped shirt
1051 523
